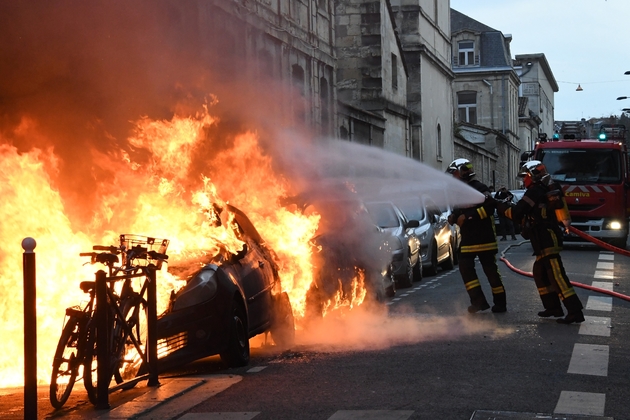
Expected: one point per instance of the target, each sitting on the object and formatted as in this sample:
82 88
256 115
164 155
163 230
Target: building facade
486 96
424 30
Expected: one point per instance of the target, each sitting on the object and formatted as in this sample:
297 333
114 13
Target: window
467 107
439 141
299 108
466 53
394 72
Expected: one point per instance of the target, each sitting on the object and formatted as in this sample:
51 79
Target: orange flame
169 194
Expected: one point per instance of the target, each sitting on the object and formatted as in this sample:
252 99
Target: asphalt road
421 357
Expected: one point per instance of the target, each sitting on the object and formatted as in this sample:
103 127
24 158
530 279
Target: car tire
237 352
283 325
455 253
432 270
406 279
417 271
449 263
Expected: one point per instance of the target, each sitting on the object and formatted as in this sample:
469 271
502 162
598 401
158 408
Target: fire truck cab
595 178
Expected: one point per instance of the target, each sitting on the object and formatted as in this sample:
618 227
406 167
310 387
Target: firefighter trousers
488 260
553 284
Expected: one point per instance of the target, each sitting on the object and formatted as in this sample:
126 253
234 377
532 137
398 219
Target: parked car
346 245
434 232
406 263
456 234
232 298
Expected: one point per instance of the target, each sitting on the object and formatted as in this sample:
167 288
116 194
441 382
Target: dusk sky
584 41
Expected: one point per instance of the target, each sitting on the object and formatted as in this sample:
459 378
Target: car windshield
412 208
383 214
580 166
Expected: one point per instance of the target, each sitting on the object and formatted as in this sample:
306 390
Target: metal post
30 330
152 326
102 350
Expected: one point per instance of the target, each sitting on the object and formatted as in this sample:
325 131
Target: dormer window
466 51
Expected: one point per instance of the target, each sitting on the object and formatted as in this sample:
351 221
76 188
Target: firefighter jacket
478 234
541 212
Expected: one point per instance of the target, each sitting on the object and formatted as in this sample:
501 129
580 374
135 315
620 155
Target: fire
165 186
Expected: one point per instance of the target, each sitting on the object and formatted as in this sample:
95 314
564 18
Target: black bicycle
127 322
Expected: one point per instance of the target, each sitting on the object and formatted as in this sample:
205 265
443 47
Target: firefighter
478 240
544 215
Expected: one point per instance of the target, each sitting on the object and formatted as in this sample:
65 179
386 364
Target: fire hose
573 283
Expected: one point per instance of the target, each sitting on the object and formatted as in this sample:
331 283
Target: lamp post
622 97
628 72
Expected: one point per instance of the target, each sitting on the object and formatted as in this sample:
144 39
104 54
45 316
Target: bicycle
70 351
127 321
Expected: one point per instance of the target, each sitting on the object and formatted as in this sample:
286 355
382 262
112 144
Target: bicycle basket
143 244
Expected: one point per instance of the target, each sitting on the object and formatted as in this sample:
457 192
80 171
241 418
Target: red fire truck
594 175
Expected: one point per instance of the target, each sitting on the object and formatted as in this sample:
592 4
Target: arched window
439 142
297 77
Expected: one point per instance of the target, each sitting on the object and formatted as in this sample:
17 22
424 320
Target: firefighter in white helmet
478 240
544 215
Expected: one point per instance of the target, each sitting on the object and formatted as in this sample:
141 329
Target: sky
584 41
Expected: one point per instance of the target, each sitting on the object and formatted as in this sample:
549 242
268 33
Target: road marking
585 403
599 303
589 359
371 415
606 285
256 369
595 325
607 257
245 415
605 265
603 275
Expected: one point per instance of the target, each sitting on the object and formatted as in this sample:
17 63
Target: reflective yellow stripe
545 290
479 248
566 289
548 251
482 212
508 213
472 284
497 290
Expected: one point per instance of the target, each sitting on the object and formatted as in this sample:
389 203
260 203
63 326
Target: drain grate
508 415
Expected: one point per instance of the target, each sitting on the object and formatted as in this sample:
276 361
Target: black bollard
102 351
152 326
30 330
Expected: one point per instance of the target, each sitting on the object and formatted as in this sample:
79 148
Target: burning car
227 301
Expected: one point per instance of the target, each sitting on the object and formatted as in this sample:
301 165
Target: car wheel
448 263
417 271
237 352
455 254
432 271
283 325
406 279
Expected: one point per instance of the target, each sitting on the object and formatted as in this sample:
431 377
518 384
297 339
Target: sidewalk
173 397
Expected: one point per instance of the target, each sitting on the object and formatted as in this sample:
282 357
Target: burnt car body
229 300
406 264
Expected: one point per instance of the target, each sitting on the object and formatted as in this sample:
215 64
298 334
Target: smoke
374 329
76 77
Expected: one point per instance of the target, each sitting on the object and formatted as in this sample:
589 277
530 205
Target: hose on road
574 283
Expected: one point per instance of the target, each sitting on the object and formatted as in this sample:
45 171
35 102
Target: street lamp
622 97
628 72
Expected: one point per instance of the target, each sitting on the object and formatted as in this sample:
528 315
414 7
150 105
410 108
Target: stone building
425 33
536 101
371 76
485 91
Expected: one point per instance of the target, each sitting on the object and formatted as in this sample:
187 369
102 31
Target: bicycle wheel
90 375
127 360
65 364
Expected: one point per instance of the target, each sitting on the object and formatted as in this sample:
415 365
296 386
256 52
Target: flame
168 184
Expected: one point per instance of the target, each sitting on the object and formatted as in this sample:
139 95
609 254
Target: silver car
406 264
434 232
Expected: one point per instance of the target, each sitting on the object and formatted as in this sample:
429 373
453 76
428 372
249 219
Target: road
422 357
